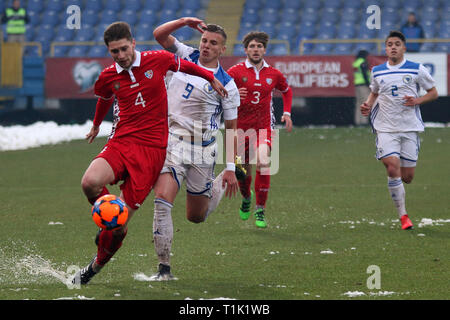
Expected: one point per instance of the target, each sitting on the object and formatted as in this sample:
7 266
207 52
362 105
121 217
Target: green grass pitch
329 213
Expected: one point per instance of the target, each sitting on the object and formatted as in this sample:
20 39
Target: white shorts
404 145
193 163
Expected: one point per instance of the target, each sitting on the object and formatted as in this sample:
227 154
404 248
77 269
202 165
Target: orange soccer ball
109 212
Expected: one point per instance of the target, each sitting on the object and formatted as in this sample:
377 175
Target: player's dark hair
216 29
117 31
396 34
258 36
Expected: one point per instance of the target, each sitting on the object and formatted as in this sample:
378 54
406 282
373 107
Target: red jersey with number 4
256 111
140 108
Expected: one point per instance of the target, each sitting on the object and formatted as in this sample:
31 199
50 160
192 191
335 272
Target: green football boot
260 221
244 210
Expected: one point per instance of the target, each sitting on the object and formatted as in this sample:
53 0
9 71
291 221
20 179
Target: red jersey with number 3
256 111
140 108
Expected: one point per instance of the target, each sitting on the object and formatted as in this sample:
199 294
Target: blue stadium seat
144 32
154 5
307 47
312 4
149 16
294 4
238 50
290 14
429 14
346 32
309 14
307 29
50 17
354 4
55 5
442 47
31 51
192 4
278 49
429 28
254 4
268 28
94 5
370 47
350 14
44 33
64 34
323 48
134 5
34 5
61 51
269 15
167 15
184 34
89 18
250 15
273 5
115 5
97 51
83 34
108 16
77 51
173 5
335 4
330 15
128 16
427 47
343 48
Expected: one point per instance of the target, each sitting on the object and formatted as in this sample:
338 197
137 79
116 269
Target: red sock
108 244
262 185
104 191
244 186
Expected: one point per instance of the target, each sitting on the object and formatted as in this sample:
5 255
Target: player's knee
90 185
407 178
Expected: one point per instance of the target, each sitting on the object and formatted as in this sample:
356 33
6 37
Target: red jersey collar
248 65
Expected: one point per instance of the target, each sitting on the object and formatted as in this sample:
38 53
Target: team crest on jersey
149 74
269 81
208 88
407 79
244 79
117 85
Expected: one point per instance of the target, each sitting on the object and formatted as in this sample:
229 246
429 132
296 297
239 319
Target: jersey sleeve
374 87
184 51
231 102
282 83
424 78
101 88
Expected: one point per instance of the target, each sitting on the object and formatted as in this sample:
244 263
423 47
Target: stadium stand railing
379 42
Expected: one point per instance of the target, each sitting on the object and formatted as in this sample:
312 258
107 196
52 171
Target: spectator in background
16 19
413 30
362 82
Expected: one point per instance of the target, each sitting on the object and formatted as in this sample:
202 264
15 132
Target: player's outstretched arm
287 118
229 177
163 33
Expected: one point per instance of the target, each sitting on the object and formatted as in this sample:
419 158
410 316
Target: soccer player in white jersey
396 117
194 118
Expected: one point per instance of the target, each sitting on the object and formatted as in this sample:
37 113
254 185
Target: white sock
216 194
397 192
163 230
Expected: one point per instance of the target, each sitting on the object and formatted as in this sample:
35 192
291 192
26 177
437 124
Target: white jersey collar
396 66
136 63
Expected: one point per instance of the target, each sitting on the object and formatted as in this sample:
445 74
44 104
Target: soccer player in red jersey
256 81
136 149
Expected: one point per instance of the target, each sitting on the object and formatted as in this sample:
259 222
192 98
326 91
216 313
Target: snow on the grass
430 222
20 137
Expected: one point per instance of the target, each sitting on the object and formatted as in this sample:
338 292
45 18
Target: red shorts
249 141
138 166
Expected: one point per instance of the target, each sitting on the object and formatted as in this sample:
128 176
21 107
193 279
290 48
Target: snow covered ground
20 137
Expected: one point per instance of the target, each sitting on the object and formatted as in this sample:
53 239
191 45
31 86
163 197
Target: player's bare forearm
431 95
92 133
367 105
230 140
